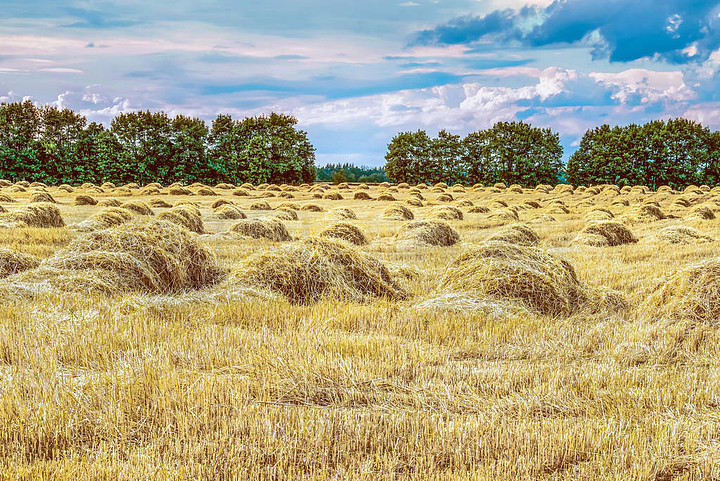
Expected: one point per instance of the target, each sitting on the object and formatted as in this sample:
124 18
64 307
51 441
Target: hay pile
43 215
12 262
284 213
362 196
220 202
445 198
271 229
313 269
428 232
185 215
504 215
479 209
241 192
109 203
414 201
605 234
599 213
341 213
179 190
260 205
680 234
6 199
519 234
333 196
138 206
700 212
39 197
148 256
345 231
224 186
645 213
106 218
311 208
229 211
540 281
447 213
398 212
159 203
690 293
83 199
207 191
386 197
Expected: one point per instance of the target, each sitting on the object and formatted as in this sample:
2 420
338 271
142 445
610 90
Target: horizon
356 75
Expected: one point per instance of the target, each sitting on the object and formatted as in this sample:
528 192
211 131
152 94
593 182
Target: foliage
510 152
53 145
352 173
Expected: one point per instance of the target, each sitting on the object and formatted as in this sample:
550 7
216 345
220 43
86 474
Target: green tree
408 158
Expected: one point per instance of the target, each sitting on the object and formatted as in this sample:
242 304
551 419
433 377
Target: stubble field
530 347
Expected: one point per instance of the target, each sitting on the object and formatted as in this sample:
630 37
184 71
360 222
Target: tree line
347 172
677 153
509 152
53 145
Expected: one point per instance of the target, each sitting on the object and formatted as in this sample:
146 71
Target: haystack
645 213
6 199
43 215
680 234
224 186
12 262
445 198
271 229
540 281
260 205
428 232
109 203
206 191
386 197
229 211
605 234
333 196
362 196
241 192
311 208
341 213
39 197
184 215
691 293
178 190
149 256
345 231
700 212
504 215
283 213
520 234
414 201
398 212
83 199
599 213
289 205
138 206
65 188
447 213
479 209
108 217
313 269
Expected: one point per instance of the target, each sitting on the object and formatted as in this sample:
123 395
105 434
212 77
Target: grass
237 382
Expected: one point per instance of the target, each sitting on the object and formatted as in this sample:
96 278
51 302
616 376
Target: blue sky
356 73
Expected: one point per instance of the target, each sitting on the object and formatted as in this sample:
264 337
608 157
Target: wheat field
441 376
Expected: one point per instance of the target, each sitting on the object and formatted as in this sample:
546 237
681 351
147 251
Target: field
395 359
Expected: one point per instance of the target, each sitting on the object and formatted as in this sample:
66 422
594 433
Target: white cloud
650 85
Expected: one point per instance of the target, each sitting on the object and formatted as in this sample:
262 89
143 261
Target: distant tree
339 177
408 158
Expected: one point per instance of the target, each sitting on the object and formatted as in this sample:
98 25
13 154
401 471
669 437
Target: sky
355 73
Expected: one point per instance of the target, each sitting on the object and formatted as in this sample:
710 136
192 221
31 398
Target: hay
247 186
542 219
106 218
12 262
138 206
599 213
311 208
283 213
289 205
260 205
403 185
538 280
429 232
447 213
680 234
286 195
271 229
206 191
691 293
224 186
386 197
66 188
557 208
614 234
532 204
241 192
500 186
645 213
504 215
362 196
149 191
229 211
179 190
83 199
185 215
148 256
107 186
333 196
44 215
345 231
519 234
40 197
341 213
700 212
398 212
479 209
109 203
414 202
220 202
445 198
6 199
314 269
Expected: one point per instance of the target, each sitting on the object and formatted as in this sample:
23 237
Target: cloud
678 31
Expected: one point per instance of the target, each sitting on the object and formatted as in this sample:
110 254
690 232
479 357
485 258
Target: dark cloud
619 30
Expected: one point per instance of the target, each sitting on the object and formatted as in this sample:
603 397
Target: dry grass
229 211
428 232
12 262
681 234
44 215
519 234
313 269
271 229
346 232
321 378
185 215
605 234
